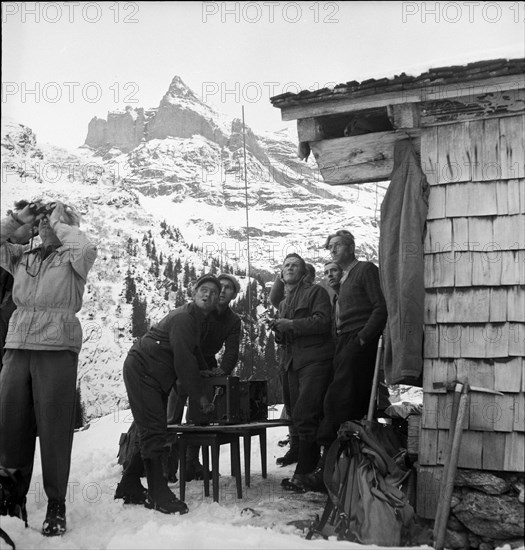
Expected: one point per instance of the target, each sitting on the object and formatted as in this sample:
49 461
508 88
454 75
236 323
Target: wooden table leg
215 469
182 467
247 439
206 470
262 444
236 463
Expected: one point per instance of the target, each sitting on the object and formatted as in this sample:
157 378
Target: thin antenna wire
247 236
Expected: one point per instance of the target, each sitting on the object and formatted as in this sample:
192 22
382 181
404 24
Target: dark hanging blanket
403 215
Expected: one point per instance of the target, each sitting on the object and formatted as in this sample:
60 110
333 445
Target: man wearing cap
360 319
224 329
167 353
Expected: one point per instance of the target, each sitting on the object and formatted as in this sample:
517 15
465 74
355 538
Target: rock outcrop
180 114
124 130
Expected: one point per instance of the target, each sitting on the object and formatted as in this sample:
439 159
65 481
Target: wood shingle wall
475 295
469 124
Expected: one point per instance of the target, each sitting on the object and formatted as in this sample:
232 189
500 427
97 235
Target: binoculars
36 208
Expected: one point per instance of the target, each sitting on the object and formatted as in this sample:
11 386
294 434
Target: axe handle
448 452
449 473
373 393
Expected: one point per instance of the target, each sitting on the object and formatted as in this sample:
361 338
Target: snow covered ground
266 517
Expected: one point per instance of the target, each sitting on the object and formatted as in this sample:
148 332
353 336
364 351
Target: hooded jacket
48 293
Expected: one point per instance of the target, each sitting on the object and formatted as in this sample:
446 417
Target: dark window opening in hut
355 124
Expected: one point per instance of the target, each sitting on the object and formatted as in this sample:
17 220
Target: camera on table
235 401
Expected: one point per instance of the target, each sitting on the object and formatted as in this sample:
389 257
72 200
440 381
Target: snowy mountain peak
179 89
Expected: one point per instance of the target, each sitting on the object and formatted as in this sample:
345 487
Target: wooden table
214 435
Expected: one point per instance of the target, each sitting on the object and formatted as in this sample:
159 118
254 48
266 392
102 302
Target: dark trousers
176 402
286 413
307 387
348 394
148 403
38 394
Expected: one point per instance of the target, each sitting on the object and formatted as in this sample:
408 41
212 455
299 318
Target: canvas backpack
11 502
364 474
127 446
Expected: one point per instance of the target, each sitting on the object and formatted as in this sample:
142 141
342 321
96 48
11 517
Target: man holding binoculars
39 375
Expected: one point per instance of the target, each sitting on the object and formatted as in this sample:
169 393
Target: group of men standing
329 346
328 335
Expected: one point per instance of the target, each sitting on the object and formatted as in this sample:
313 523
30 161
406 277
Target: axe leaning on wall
457 418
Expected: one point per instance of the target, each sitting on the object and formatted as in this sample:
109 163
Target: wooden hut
469 125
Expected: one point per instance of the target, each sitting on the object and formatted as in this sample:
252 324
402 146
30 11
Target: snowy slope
266 517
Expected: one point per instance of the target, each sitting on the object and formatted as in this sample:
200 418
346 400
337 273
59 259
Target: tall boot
315 479
160 497
308 459
292 455
194 469
130 489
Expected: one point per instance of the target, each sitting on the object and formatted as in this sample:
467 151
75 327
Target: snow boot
292 455
130 489
194 469
315 479
308 458
160 497
296 484
55 522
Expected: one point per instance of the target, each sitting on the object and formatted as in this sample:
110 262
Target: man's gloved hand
205 406
217 371
206 373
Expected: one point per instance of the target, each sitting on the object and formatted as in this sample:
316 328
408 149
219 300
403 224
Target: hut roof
441 76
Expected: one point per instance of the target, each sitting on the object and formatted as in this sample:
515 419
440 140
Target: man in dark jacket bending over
224 329
168 352
304 330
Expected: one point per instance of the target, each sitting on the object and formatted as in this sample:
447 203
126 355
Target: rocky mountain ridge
188 152
194 185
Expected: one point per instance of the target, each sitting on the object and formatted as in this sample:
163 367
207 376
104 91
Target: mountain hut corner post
466 126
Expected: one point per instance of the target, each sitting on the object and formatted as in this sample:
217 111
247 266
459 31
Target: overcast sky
63 63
